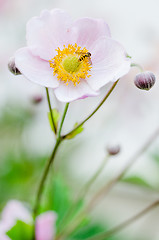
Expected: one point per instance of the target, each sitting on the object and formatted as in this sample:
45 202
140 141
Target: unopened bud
113 150
145 80
12 67
37 99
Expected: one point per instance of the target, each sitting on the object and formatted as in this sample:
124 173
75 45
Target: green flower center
71 64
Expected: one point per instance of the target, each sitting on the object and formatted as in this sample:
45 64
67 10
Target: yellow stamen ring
67 67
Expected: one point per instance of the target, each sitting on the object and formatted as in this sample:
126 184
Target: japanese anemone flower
75 58
15 210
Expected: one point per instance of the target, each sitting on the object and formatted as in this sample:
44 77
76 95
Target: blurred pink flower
75 58
45 226
14 210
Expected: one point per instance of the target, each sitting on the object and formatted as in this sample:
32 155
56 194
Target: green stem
63 118
138 66
124 224
48 165
50 109
100 104
44 176
42 182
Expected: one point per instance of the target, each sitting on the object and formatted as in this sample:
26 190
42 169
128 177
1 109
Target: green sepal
75 132
20 231
128 56
56 117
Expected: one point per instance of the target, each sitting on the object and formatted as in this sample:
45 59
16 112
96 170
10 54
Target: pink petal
45 226
15 210
48 32
88 30
4 237
35 69
3 229
109 63
70 93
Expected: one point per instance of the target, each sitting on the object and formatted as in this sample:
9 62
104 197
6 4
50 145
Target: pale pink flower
15 210
58 55
45 226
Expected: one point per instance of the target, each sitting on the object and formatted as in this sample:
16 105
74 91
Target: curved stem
94 177
138 66
44 176
63 118
100 104
105 190
50 109
126 223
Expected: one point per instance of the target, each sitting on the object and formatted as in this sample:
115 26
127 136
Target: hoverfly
84 55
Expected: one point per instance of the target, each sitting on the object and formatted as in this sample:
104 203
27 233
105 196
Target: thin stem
100 104
133 159
105 190
81 195
126 223
94 177
138 66
50 109
63 118
44 176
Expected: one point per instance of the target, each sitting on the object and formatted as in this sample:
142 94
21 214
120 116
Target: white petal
88 30
48 32
109 63
35 69
70 93
15 210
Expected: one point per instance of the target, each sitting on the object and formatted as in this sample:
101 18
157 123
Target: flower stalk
62 120
96 109
44 176
51 113
105 190
126 223
59 140
138 66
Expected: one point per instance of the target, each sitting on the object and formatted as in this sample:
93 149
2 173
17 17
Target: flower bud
37 99
12 67
145 80
113 150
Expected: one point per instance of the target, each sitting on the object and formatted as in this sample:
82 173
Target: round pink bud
145 80
12 67
113 150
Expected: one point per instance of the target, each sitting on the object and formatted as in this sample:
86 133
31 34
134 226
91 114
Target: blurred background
128 118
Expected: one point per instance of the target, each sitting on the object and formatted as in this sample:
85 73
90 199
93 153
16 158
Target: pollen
67 66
